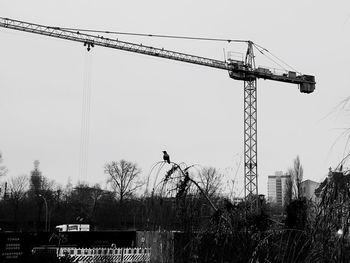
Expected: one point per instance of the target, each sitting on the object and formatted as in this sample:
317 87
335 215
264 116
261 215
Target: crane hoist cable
85 118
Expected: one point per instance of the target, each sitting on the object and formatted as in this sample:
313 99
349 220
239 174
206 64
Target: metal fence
102 254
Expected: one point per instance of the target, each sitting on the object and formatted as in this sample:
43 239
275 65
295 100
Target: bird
166 157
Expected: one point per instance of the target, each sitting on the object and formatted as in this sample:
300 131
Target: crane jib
237 69
91 40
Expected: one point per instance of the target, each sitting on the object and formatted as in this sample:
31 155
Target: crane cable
150 35
261 49
85 118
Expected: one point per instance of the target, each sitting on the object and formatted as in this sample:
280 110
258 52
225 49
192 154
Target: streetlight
46 211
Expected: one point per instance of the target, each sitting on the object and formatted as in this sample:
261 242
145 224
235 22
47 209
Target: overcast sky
140 106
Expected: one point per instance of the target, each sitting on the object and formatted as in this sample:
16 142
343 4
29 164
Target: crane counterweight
238 70
308 85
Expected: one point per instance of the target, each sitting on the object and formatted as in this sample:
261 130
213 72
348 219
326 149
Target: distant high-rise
276 188
308 188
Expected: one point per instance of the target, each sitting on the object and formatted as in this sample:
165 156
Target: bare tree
210 181
83 199
124 177
96 194
17 187
3 170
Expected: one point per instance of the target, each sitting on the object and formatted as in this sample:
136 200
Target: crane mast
239 70
250 129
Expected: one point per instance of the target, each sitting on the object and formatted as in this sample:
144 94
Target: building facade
276 188
308 188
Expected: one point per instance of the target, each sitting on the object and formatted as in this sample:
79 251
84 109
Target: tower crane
237 69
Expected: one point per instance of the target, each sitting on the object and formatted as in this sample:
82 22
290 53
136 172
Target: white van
73 227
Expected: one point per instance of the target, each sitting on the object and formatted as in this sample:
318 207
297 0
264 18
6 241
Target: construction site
218 178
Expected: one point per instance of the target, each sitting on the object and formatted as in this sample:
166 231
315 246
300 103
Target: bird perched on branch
166 157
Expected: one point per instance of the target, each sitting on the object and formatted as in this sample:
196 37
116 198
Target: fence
112 255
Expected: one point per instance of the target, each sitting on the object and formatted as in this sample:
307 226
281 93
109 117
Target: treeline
35 203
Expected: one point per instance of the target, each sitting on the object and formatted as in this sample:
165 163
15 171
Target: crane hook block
89 45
